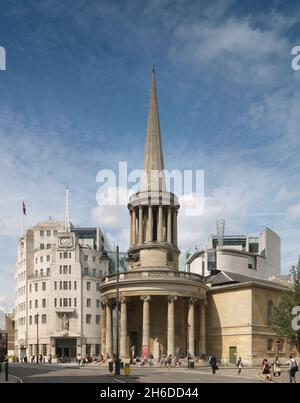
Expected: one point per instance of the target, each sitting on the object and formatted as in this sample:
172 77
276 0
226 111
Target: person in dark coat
213 363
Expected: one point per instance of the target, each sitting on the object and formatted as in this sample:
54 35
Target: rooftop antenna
67 212
220 231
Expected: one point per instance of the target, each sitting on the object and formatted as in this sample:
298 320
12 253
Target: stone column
202 339
109 329
160 224
146 325
191 326
123 329
164 225
103 328
133 226
150 224
171 325
175 226
140 224
169 226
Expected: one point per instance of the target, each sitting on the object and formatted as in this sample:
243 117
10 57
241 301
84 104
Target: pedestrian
266 370
276 367
240 365
212 361
293 369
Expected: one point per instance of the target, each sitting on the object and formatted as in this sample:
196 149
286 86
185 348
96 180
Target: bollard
6 371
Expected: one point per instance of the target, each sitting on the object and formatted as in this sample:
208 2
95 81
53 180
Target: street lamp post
37 338
117 364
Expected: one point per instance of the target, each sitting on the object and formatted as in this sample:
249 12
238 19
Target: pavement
60 373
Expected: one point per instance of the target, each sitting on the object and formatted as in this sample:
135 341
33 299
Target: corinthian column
169 225
123 329
191 326
133 226
103 328
109 329
171 325
146 325
202 347
150 224
160 224
140 224
175 227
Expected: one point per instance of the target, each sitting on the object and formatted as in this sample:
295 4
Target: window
43 286
48 245
30 287
36 287
97 349
70 255
65 302
55 302
65 269
97 319
43 303
36 303
55 232
88 319
30 320
55 285
36 260
270 343
86 258
65 285
48 232
88 286
70 285
41 259
44 350
48 271
86 271
75 302
42 246
94 272
65 255
98 303
97 286
70 270
60 302
36 318
41 233
88 303
94 258
70 302
60 285
41 272
44 319
36 273
88 349
60 255
270 313
75 285
60 269
250 266
30 304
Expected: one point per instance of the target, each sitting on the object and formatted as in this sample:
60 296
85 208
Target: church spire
153 157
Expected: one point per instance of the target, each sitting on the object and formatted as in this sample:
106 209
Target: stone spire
153 156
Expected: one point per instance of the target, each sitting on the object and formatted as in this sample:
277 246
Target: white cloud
294 211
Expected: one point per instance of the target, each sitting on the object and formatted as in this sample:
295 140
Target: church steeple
153 155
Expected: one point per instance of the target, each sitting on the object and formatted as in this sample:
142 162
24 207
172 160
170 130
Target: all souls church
167 311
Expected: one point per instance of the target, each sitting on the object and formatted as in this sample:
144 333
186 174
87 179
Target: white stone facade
57 302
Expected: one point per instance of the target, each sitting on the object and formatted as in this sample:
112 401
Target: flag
24 209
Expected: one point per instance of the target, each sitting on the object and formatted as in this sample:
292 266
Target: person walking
266 370
240 365
213 363
276 367
293 369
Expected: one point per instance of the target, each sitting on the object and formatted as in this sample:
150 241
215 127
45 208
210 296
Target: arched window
270 345
270 312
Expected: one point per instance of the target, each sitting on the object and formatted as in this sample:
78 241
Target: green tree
282 317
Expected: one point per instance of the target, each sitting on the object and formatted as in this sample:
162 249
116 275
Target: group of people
267 368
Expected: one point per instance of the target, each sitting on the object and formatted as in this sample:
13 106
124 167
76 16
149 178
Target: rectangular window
30 304
98 303
48 271
48 258
36 318
36 287
75 285
36 273
48 232
41 259
88 286
75 302
65 285
65 255
86 271
43 303
60 269
60 255
86 258
41 233
36 303
65 269
44 319
94 258
88 303
55 285
44 286
70 255
60 285
97 286
60 302
97 319
48 245
94 272
30 287
41 272
70 302
70 271
70 285
88 319
55 302
42 246
88 349
44 350
65 302
97 349
30 320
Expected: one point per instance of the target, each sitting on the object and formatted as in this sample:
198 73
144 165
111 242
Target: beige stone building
164 310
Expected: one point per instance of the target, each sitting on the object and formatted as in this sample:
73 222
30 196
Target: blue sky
74 100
